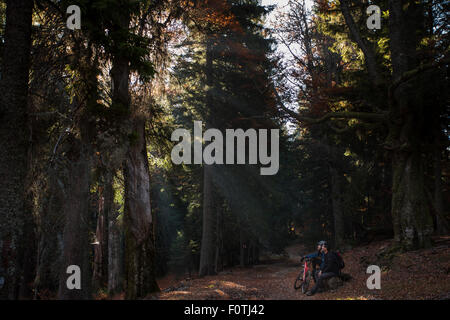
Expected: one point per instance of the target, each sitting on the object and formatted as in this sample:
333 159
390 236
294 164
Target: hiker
316 258
329 270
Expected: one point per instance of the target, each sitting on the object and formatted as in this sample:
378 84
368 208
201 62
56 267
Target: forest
124 157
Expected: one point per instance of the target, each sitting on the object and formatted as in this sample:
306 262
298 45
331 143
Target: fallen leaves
422 274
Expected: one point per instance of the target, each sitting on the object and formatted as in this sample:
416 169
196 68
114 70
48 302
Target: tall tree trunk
115 245
441 223
411 215
208 243
27 247
241 248
13 144
76 244
105 202
337 207
49 246
409 203
27 253
140 277
208 239
336 193
76 236
76 209
120 76
218 263
139 235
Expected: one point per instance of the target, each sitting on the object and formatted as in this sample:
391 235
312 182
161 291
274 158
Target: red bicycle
304 278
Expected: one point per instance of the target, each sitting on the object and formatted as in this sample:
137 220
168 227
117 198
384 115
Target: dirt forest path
265 281
420 274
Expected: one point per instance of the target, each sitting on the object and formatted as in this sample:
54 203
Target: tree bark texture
139 235
14 142
76 244
413 224
207 251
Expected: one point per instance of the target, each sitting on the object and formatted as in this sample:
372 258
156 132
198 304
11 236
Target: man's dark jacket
316 254
331 263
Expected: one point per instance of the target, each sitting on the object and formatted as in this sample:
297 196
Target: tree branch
414 73
378 117
365 48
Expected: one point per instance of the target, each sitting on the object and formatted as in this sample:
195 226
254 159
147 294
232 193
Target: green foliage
231 98
103 23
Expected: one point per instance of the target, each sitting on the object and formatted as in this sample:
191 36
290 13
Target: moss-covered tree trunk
14 141
139 236
140 278
410 210
115 245
413 224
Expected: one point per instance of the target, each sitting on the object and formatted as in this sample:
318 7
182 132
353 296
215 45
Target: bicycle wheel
298 281
305 284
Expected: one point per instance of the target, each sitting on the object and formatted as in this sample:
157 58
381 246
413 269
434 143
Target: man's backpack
340 261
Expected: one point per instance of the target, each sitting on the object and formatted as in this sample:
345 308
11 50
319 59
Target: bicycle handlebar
304 258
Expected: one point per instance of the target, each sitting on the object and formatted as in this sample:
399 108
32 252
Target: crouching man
330 269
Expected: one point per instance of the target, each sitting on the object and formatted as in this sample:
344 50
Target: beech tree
402 112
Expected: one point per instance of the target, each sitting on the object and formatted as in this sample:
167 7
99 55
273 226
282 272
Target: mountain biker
330 268
316 258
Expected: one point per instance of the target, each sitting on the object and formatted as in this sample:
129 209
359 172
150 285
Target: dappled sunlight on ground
422 274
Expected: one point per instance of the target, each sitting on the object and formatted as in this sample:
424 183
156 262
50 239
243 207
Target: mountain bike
304 278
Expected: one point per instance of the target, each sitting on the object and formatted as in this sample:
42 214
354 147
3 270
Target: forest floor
421 274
